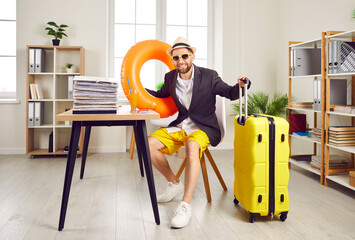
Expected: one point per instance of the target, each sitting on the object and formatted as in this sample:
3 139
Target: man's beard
184 71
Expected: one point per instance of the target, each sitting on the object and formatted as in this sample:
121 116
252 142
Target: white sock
186 204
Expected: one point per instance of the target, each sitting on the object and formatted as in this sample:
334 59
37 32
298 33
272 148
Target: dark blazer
207 84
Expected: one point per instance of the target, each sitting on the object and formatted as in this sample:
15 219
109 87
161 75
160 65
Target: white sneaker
182 215
171 191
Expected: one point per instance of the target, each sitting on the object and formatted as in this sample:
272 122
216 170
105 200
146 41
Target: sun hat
181 42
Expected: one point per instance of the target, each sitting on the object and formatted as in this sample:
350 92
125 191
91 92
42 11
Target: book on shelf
39 91
341 138
335 161
303 134
297 122
342 128
302 104
36 91
33 91
342 135
316 134
306 158
342 143
93 95
344 109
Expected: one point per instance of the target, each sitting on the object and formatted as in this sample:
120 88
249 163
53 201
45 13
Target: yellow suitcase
261 153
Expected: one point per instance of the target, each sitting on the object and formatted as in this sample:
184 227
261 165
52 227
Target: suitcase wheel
236 202
283 216
252 217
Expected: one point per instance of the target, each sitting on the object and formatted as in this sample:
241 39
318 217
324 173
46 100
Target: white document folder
39 60
31 110
38 113
31 60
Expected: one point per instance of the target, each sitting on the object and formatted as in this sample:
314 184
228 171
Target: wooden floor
112 202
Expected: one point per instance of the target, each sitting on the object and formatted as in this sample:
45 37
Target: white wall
302 20
249 30
87 28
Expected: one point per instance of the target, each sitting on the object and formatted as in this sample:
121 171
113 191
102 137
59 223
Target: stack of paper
335 161
94 95
345 109
342 135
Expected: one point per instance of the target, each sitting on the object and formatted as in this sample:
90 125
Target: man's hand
242 77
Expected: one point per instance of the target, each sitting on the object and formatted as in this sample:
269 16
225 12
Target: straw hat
181 42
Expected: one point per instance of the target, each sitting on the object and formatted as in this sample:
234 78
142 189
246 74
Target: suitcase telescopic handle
241 118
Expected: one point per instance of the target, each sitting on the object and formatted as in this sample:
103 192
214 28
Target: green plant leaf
52 24
259 103
58 33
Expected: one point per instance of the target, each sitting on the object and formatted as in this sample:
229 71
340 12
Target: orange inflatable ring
131 67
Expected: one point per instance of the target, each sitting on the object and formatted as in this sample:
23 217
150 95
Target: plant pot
69 70
56 42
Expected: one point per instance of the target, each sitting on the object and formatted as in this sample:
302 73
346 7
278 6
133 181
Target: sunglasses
183 56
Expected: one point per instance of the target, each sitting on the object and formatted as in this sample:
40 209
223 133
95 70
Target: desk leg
139 150
85 150
73 146
142 137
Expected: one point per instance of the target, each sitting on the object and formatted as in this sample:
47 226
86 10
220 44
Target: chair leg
181 168
181 153
205 178
133 143
214 166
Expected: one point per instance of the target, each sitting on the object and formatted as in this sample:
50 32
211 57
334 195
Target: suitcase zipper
271 163
271 166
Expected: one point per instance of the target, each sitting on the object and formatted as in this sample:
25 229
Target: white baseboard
5 151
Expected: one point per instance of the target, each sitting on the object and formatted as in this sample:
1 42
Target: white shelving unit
316 43
308 139
54 84
338 175
305 165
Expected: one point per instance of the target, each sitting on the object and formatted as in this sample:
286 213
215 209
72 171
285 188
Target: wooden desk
137 120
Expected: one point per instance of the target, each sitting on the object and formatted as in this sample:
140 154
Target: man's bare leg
192 169
159 161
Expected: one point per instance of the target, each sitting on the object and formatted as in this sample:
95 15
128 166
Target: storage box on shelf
340 63
306 62
46 67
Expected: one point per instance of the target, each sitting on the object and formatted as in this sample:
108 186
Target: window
8 50
138 20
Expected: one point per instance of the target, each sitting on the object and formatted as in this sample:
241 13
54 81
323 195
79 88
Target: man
194 91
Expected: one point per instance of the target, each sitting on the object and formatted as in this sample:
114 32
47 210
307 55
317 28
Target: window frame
160 34
7 96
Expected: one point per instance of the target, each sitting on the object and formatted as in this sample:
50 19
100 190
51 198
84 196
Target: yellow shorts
173 141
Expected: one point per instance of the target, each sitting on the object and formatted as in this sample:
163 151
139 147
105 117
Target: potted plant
259 103
69 67
56 31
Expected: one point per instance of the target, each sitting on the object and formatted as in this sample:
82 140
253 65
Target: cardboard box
352 178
